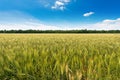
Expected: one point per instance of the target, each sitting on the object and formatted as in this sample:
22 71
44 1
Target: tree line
60 31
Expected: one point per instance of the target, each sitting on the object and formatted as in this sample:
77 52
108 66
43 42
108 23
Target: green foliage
60 31
59 57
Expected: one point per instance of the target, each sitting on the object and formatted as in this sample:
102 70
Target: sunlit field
59 56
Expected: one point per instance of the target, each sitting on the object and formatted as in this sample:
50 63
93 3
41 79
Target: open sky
60 14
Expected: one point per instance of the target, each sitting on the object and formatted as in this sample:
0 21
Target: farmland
59 56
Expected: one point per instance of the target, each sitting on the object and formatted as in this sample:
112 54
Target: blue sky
59 14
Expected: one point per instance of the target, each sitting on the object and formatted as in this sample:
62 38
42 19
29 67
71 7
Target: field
59 56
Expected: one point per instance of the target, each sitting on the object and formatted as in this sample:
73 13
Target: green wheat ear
59 57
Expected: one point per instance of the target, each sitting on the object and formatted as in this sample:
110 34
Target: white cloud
88 14
26 26
60 4
55 4
108 24
19 20
103 25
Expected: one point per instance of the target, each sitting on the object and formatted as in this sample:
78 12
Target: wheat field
59 56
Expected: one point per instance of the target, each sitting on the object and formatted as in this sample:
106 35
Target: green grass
59 56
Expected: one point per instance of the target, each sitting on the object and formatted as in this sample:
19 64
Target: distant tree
60 31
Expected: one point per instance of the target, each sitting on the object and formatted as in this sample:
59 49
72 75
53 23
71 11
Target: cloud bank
17 20
104 25
27 26
108 24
